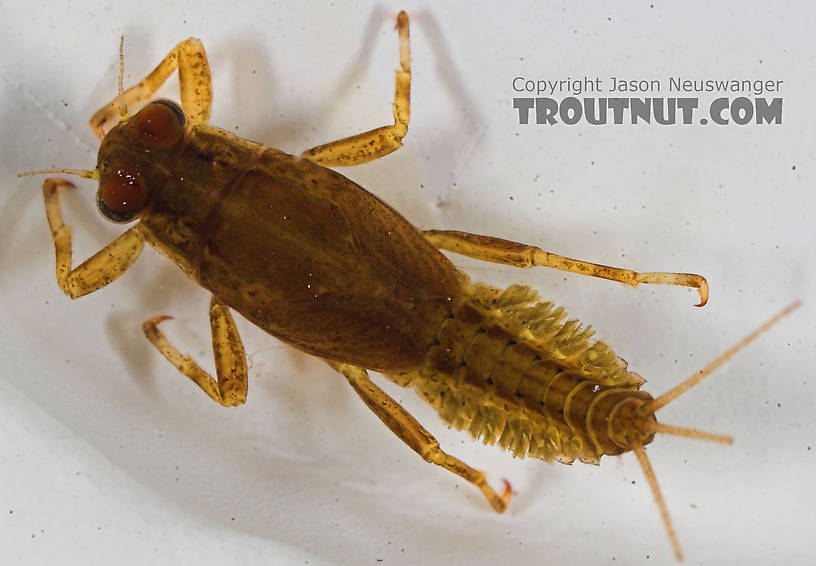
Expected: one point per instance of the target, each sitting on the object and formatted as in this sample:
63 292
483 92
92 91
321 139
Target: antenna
85 173
123 113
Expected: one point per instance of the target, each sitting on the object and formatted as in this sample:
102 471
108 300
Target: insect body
317 261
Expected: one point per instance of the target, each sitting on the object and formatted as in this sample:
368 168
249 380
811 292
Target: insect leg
415 436
506 252
195 87
378 142
98 270
230 389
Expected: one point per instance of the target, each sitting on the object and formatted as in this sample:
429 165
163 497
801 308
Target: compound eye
160 124
122 195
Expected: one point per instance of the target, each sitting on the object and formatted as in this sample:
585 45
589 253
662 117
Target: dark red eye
122 195
160 124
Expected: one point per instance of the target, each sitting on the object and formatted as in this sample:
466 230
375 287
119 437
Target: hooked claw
703 289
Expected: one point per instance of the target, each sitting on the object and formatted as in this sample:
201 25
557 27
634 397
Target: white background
110 456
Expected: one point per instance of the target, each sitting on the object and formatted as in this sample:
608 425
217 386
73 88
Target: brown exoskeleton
322 264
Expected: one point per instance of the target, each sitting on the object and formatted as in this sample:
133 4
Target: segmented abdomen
512 372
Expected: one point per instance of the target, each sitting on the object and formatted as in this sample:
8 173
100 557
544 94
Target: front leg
230 389
195 87
97 271
376 143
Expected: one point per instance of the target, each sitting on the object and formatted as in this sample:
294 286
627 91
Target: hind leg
506 252
415 436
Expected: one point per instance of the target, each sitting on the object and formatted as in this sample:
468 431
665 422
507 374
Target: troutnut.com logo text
642 101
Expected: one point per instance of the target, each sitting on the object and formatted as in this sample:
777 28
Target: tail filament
651 407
